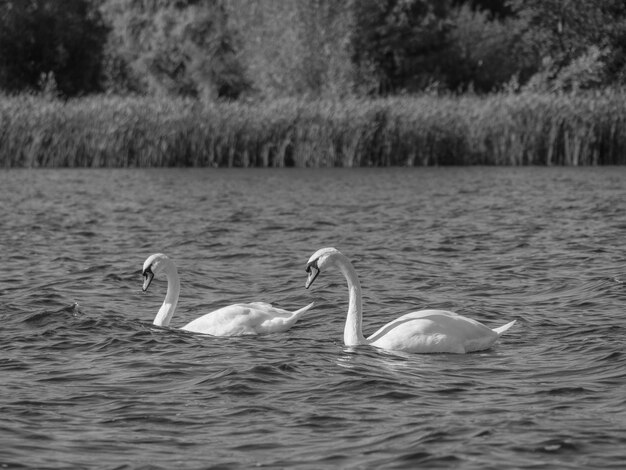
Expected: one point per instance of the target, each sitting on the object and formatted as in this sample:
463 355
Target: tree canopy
47 40
231 49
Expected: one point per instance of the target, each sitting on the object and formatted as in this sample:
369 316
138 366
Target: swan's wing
268 319
433 331
232 320
244 319
260 305
409 316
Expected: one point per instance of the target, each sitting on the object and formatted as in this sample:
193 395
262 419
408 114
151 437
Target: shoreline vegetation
498 129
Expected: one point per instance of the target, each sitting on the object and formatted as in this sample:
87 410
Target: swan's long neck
171 298
352 333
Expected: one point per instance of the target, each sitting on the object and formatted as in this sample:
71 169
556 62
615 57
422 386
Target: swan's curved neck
352 333
171 298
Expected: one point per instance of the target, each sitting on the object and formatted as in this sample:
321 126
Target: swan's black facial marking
148 276
313 271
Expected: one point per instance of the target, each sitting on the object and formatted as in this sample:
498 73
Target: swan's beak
313 273
148 276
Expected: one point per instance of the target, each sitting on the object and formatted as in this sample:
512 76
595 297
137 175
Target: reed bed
506 129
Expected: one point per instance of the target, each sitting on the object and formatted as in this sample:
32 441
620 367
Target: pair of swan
425 331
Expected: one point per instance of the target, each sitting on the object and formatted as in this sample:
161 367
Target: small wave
562 391
47 316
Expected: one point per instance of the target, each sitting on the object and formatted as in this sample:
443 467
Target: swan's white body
425 331
255 318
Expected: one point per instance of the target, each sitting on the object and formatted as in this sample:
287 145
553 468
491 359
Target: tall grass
525 129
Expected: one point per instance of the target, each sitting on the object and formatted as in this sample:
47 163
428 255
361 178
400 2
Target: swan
424 331
234 320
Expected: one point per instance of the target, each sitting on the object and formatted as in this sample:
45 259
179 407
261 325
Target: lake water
86 381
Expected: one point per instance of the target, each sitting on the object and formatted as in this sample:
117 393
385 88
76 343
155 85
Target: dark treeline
260 49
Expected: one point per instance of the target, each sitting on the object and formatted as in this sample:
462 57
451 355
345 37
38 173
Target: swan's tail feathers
503 328
299 312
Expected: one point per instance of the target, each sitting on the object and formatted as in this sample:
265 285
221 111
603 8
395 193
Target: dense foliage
48 43
232 49
181 47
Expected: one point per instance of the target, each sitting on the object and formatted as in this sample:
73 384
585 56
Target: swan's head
153 266
322 259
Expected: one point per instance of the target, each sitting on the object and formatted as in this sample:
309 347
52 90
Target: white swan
425 331
234 320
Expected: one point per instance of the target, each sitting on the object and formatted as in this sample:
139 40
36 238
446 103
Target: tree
177 47
487 50
403 41
48 38
295 47
574 37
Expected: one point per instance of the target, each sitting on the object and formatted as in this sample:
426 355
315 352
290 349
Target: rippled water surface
86 381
